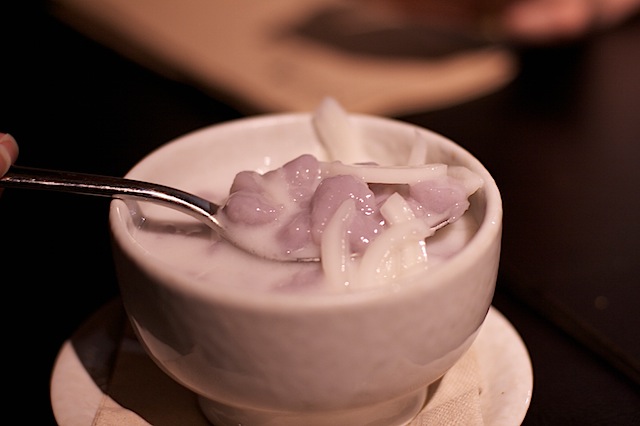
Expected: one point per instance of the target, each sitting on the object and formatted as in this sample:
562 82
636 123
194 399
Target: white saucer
85 366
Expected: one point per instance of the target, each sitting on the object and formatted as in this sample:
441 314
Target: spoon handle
107 186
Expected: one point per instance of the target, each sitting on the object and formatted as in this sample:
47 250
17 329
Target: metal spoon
123 188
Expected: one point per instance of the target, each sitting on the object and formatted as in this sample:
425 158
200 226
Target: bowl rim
488 233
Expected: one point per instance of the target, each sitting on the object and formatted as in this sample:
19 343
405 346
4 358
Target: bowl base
397 412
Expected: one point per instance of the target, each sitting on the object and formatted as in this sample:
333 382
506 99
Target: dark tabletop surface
562 141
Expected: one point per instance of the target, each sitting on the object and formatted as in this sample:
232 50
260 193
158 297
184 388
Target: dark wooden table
563 142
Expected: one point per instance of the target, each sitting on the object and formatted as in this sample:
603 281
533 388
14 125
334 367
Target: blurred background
94 86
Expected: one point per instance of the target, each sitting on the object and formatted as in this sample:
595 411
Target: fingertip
8 152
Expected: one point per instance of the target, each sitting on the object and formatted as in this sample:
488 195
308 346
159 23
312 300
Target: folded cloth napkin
455 399
287 55
139 394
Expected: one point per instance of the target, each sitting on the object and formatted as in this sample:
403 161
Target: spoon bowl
124 188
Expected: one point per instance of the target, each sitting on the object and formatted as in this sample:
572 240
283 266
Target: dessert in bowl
331 342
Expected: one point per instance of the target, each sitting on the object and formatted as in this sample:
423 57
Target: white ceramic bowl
258 357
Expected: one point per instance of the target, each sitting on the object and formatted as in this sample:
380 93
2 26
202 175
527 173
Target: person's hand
8 152
527 22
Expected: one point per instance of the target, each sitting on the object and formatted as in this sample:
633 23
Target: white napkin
455 400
